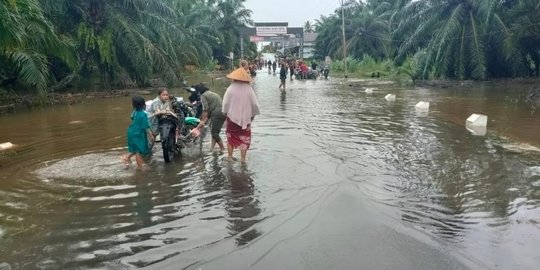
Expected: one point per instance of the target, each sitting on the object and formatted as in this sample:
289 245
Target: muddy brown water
66 202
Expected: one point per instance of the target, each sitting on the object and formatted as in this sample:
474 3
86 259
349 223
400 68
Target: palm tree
119 37
28 43
231 17
368 33
522 38
454 34
327 42
308 28
198 32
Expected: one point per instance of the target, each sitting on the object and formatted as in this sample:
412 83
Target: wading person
274 66
291 69
283 74
211 106
240 107
138 134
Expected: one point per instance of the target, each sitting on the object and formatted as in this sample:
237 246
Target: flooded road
336 179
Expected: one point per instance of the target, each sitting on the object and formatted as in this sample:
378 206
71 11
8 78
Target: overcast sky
295 12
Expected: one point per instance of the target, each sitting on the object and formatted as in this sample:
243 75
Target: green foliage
47 44
460 39
308 27
28 43
367 67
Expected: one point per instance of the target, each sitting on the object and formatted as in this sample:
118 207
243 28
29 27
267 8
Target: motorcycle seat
191 121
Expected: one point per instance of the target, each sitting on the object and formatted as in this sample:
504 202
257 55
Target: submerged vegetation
458 39
52 44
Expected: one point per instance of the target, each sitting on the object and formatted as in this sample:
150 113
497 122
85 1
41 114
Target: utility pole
241 47
344 41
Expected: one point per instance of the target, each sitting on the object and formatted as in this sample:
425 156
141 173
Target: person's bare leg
126 159
212 145
139 160
229 152
221 146
243 154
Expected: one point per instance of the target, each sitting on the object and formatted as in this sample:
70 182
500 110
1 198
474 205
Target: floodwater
336 179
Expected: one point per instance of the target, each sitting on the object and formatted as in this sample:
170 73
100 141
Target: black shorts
216 123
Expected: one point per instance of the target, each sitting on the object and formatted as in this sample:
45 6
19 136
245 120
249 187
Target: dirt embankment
11 102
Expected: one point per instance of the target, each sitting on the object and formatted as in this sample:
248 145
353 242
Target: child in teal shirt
138 133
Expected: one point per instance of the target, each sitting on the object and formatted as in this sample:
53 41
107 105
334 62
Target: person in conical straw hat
240 106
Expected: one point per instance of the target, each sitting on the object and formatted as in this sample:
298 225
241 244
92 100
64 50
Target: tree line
52 44
457 39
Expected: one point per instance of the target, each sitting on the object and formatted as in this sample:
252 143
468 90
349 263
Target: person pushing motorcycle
211 107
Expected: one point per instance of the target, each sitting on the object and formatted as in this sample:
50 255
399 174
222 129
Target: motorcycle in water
195 102
312 74
178 129
325 71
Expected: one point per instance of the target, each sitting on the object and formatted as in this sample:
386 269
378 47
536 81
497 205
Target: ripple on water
94 166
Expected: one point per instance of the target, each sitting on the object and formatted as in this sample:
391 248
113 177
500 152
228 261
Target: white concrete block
369 90
6 146
478 120
422 106
477 130
390 97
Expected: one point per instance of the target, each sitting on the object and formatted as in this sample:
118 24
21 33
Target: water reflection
283 100
143 201
242 206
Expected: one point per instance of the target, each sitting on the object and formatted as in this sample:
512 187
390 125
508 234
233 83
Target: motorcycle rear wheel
169 146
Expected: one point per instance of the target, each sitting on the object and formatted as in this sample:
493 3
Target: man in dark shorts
212 104
283 74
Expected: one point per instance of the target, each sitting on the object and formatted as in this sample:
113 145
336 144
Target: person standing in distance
283 74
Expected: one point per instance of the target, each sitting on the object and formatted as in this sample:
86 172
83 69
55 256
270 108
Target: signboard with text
256 39
271 30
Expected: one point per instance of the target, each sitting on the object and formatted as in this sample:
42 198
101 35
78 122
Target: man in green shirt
212 104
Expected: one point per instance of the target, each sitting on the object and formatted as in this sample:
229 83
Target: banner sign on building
256 39
271 30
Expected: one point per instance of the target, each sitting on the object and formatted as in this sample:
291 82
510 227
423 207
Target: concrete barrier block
6 146
422 106
390 97
478 120
477 124
477 130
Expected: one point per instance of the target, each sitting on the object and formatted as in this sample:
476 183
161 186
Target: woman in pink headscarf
240 105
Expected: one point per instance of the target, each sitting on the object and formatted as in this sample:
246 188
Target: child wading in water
138 133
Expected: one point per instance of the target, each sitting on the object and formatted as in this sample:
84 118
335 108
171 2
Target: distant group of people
237 109
295 69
